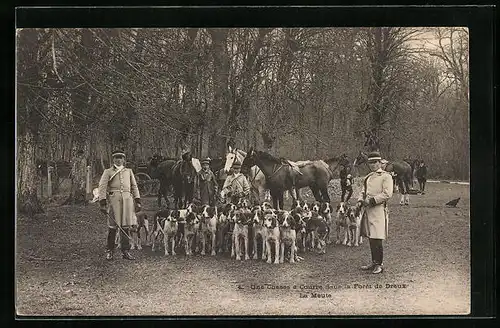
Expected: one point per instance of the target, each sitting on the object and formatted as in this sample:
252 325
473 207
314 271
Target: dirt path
60 270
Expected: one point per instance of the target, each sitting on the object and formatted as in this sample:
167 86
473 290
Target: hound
272 235
288 235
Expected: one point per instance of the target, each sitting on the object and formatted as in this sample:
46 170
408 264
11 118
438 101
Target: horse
402 171
282 174
278 173
183 175
317 174
255 176
161 169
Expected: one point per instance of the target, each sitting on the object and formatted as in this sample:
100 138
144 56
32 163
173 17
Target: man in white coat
119 199
236 186
378 188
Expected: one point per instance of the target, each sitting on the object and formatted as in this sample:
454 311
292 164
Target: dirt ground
61 270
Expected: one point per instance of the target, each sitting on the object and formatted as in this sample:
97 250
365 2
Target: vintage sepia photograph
277 171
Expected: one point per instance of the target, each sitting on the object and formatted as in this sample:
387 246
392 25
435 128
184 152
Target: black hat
236 164
374 156
118 153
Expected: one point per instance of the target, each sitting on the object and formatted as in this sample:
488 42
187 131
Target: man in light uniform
119 198
378 188
236 185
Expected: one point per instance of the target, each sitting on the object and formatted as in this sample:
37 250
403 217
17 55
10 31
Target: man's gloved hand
138 206
103 206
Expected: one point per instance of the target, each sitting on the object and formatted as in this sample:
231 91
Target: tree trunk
78 180
222 111
27 199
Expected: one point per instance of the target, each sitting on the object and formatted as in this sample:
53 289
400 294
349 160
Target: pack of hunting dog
236 206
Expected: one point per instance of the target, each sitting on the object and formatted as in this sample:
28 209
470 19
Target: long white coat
375 221
120 193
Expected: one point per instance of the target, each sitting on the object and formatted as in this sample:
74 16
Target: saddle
296 165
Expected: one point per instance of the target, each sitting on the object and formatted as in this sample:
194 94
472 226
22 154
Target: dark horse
217 167
161 169
401 169
281 176
183 175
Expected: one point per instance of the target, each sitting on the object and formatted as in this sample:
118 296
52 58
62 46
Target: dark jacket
421 172
206 187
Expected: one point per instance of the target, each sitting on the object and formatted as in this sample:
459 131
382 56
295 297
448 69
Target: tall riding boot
378 256
125 244
110 245
372 250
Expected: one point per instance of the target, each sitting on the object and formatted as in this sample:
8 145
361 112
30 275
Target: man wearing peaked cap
119 198
378 188
205 184
236 186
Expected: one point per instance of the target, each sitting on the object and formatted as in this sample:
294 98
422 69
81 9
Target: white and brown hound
272 235
317 224
158 223
142 223
258 230
208 228
190 230
325 211
288 235
354 215
243 218
341 222
170 228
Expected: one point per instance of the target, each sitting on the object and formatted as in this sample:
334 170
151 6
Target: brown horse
316 175
217 167
401 169
183 175
162 170
281 176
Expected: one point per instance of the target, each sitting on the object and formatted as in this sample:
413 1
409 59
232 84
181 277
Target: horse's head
187 156
248 161
231 156
153 162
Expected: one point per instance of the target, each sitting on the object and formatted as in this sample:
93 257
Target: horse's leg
275 199
325 196
407 189
159 197
282 201
401 190
316 193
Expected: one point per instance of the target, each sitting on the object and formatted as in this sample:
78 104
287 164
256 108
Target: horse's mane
269 157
